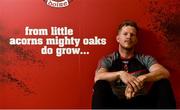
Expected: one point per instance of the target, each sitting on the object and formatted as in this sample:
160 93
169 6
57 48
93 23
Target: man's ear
118 38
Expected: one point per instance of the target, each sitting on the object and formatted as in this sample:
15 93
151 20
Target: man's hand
129 92
141 78
132 82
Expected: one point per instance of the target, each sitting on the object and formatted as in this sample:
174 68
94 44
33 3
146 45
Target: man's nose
128 36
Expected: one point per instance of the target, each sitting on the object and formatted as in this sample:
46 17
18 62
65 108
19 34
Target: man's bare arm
103 74
131 81
157 72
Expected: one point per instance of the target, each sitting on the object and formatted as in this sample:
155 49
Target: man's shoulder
113 56
145 59
142 56
107 60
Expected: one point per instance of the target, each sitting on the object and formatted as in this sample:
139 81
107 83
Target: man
126 79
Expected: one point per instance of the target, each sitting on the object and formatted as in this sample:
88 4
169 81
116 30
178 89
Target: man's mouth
127 41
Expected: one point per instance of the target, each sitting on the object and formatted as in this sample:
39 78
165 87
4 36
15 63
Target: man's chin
128 47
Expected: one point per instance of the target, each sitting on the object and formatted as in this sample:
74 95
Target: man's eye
132 34
125 34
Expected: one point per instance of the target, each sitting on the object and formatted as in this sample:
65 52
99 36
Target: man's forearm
156 75
157 72
109 76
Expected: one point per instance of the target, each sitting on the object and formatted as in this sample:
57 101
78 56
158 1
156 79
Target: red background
67 81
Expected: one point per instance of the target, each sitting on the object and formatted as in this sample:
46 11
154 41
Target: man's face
126 37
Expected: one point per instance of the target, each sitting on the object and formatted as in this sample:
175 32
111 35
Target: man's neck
126 53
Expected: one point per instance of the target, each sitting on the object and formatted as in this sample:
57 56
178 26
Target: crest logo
58 3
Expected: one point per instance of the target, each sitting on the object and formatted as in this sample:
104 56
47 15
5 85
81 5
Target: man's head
127 34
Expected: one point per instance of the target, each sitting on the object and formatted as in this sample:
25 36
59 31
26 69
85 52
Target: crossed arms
134 84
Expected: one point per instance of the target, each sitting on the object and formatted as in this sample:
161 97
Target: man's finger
128 92
135 88
140 82
130 86
133 94
138 85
